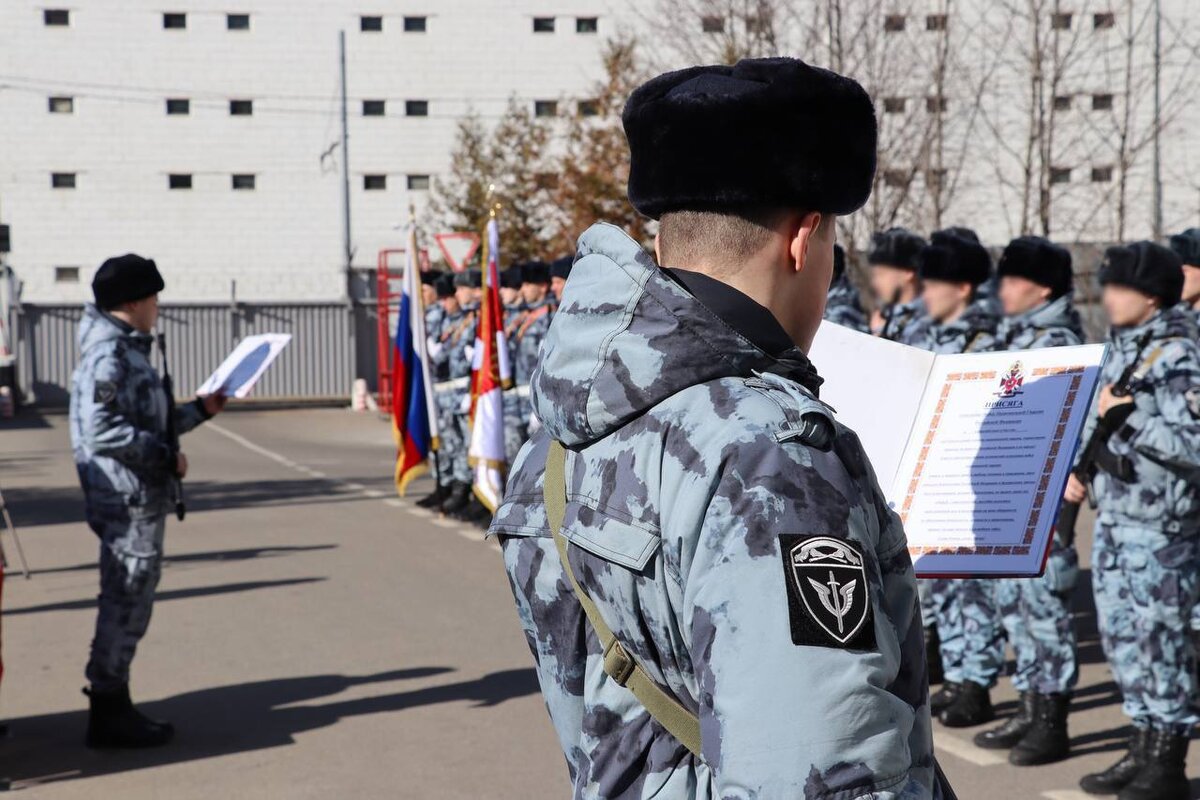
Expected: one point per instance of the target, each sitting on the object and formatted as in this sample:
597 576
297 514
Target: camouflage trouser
1036 614
515 414
1146 583
968 629
452 435
130 566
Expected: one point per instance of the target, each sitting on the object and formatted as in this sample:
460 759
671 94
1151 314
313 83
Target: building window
588 108
418 183
178 105
244 181
543 24
62 180
1104 20
712 24
370 24
66 274
373 108
374 183
1062 102
62 105
56 17
893 23
1061 21
1102 102
935 22
414 24
893 105
545 108
179 180
587 25
241 108
237 22
1060 174
1101 174
895 178
935 105
174 21
416 108
935 179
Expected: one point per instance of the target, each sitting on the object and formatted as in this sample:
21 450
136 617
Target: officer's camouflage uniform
1036 612
118 421
695 461
1145 559
844 306
457 338
906 323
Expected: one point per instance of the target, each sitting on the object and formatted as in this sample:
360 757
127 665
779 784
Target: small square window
543 24
418 183
66 274
414 24
758 24
178 106
935 22
935 179
1061 21
56 17
545 108
935 105
62 105
894 23
588 108
374 182
587 25
895 178
62 180
712 24
237 22
1102 174
370 24
1104 20
174 21
1062 102
373 108
1102 102
893 105
1060 174
179 180
241 108
244 181
416 108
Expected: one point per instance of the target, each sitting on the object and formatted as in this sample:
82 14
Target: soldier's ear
657 251
802 231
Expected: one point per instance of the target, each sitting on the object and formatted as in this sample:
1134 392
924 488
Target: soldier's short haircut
688 237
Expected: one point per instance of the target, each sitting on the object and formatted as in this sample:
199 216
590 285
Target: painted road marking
1067 794
966 751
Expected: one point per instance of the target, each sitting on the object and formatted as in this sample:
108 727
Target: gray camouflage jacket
705 485
528 332
844 306
905 321
973 332
118 418
1052 324
1162 436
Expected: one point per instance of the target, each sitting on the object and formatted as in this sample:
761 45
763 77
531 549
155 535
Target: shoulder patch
105 392
829 599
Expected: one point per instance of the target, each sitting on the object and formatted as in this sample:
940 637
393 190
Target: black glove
1120 467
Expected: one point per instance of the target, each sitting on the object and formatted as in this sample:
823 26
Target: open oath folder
242 368
971 450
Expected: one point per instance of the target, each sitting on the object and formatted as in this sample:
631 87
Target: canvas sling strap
618 663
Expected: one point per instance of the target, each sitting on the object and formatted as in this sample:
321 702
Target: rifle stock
172 432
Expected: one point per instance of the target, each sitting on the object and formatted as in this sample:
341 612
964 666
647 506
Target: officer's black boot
973 706
1162 776
1119 775
933 655
114 722
1047 740
457 498
434 498
943 697
1013 729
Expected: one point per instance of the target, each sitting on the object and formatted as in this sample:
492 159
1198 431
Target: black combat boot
943 697
434 498
1120 774
1013 729
973 706
457 498
114 722
933 655
1047 740
1162 776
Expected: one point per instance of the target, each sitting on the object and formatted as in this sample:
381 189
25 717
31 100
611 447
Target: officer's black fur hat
469 277
895 247
429 278
123 279
771 133
1038 260
1187 246
1152 269
954 255
561 267
513 277
839 261
444 285
537 272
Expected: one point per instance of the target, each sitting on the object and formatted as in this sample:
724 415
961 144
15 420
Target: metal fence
332 343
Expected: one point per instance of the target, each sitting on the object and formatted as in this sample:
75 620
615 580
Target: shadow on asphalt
241 554
235 719
160 597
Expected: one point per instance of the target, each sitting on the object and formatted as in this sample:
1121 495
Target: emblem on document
829 591
1011 381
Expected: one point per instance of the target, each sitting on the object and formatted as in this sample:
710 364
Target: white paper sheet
242 368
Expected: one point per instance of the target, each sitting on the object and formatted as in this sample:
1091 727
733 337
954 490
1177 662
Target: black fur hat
1152 269
1038 260
954 255
764 133
429 278
561 267
537 272
123 279
895 247
444 285
1187 246
469 277
513 277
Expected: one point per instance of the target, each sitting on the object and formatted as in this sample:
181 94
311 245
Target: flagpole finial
412 213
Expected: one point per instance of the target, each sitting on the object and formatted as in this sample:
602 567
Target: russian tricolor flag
414 419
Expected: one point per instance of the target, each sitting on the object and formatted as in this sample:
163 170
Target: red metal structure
387 298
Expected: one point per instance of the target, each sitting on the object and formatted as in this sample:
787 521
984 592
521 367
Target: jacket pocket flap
604 536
